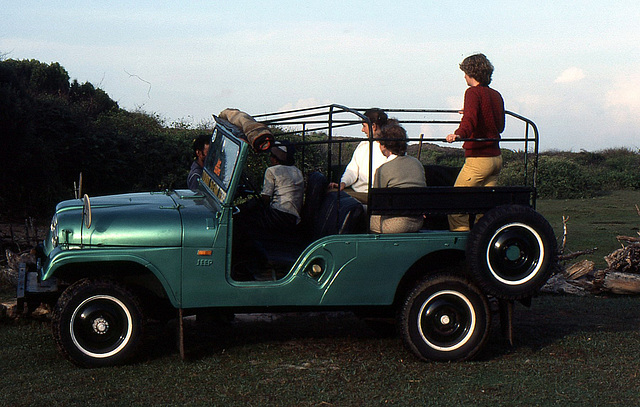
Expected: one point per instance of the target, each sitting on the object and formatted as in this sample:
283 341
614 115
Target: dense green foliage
52 129
563 175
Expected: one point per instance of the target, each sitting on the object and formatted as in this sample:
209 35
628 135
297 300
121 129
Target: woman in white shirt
355 180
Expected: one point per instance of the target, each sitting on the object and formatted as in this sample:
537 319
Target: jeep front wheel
445 318
97 323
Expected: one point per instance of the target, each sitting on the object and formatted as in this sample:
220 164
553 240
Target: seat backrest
440 175
338 214
317 185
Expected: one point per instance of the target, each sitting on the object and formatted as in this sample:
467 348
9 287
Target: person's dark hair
200 141
377 116
394 138
478 67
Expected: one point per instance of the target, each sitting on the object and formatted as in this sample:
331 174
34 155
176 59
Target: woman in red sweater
483 118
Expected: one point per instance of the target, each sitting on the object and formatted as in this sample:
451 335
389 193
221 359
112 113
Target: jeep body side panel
357 270
205 261
372 277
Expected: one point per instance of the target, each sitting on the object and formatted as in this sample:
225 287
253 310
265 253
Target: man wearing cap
283 188
281 196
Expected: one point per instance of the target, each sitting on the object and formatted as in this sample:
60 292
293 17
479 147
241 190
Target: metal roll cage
329 118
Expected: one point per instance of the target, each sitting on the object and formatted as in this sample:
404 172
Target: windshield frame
226 156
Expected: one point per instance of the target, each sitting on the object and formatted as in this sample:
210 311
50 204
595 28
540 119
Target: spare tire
511 252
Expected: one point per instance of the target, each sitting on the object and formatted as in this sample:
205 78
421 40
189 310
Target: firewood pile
622 275
16 246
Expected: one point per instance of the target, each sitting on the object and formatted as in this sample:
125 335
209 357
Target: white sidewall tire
98 323
511 252
124 341
469 330
445 317
538 265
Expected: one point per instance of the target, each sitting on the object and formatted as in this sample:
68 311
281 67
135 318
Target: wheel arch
142 276
450 260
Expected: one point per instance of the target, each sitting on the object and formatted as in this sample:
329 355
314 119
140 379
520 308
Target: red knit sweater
483 117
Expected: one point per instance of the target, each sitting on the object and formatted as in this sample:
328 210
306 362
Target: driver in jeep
278 210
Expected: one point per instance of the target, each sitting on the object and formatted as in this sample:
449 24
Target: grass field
594 222
567 351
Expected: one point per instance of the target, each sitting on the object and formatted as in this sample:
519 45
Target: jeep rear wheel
511 251
97 323
445 318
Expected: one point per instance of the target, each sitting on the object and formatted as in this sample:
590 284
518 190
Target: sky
573 67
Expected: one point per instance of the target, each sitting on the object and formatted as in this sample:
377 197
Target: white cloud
572 74
303 104
622 101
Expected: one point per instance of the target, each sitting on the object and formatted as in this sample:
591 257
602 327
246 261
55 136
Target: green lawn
568 351
594 222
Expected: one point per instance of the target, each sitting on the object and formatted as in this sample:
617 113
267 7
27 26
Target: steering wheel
247 189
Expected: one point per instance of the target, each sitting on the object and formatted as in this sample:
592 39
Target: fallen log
622 275
558 284
579 269
621 283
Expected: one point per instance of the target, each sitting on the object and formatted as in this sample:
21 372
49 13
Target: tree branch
139 78
571 256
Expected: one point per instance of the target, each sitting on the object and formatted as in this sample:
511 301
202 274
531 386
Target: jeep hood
138 219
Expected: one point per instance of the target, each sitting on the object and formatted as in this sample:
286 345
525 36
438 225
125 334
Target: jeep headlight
53 233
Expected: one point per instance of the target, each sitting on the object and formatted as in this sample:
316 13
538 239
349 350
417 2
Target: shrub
51 130
560 178
622 167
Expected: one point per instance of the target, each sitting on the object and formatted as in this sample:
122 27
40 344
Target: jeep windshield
219 165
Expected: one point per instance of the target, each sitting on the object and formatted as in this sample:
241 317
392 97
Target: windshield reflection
220 163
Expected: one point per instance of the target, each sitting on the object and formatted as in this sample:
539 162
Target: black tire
511 252
445 318
97 323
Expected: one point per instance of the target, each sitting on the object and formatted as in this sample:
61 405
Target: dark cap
283 151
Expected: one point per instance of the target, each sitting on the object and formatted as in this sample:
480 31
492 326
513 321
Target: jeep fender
89 263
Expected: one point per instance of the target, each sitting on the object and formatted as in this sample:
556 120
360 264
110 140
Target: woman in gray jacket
400 171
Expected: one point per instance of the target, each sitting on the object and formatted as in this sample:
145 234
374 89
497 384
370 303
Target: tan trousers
395 224
476 172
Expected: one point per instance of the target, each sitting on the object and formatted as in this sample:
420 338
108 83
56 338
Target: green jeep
110 263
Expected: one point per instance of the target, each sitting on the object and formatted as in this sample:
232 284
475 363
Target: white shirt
285 185
356 175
